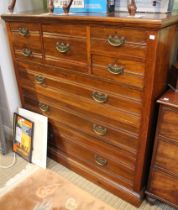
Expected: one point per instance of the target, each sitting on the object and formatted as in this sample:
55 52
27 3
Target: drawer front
165 186
169 123
73 30
30 27
36 79
166 156
118 41
100 157
32 42
124 119
28 54
131 35
66 52
120 70
99 130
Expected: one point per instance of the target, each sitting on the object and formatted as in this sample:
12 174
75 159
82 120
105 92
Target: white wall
9 97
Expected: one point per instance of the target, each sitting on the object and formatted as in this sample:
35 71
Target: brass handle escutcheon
99 130
23 31
99 97
62 47
115 69
116 41
100 160
43 107
27 52
39 79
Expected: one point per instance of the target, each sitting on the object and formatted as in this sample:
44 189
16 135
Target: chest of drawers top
144 20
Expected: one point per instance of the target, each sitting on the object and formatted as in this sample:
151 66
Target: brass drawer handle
116 41
99 97
115 69
27 52
43 107
99 130
62 47
23 31
100 160
39 79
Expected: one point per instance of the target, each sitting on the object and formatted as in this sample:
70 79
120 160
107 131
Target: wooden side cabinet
163 180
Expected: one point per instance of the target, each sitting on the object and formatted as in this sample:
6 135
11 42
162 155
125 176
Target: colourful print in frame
23 136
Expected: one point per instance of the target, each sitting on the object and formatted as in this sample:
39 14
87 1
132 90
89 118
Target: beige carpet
47 190
103 195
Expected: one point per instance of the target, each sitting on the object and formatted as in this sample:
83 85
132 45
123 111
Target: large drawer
99 130
118 69
169 123
166 156
118 41
125 120
105 159
164 186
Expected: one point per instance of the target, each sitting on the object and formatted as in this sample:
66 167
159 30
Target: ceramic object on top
132 8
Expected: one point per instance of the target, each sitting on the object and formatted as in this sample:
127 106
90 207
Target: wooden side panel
169 126
166 156
165 187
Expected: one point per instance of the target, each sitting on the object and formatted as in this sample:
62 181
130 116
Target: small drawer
99 156
124 71
166 156
169 123
164 186
66 52
74 30
118 41
28 54
30 27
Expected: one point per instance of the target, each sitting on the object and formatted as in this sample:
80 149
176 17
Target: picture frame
23 136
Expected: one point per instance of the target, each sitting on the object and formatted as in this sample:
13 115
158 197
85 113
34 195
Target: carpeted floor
115 202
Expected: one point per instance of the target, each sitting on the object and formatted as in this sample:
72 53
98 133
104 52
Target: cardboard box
82 6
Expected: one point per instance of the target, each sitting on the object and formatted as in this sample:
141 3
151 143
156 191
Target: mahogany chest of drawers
96 77
163 180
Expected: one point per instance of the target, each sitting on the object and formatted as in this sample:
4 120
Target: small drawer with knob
117 69
27 53
68 52
118 41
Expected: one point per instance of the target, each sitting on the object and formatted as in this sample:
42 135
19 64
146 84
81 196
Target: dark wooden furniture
163 180
96 77
173 77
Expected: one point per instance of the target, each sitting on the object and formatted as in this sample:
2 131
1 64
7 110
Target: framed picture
23 136
40 135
